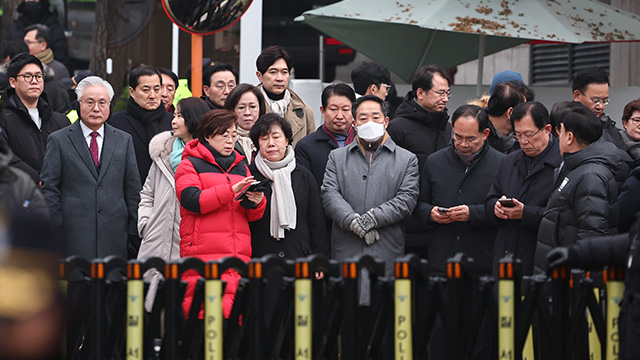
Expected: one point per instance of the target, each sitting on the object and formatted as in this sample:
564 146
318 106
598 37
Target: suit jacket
95 209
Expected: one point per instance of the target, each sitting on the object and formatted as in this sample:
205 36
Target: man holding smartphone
520 190
454 183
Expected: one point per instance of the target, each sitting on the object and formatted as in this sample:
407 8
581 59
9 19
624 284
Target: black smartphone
507 202
253 184
442 210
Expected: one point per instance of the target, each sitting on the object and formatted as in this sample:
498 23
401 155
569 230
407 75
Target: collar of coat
295 103
387 143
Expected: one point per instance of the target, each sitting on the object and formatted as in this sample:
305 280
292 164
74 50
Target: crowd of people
243 171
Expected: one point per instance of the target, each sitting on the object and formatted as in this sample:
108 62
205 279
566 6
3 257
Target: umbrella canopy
406 34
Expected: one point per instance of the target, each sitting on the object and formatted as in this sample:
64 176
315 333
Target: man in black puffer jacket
585 200
422 126
619 250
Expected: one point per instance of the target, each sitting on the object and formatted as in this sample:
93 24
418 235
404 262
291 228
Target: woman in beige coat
159 209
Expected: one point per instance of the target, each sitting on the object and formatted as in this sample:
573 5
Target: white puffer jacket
159 210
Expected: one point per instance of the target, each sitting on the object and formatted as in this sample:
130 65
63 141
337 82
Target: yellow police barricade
135 311
615 291
303 318
403 329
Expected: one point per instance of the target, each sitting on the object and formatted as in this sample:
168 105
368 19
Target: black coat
418 130
495 140
447 182
619 250
611 133
628 201
530 187
27 142
57 41
312 152
584 202
309 235
423 133
124 121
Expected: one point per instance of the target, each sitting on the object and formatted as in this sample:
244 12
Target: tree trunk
98 59
9 15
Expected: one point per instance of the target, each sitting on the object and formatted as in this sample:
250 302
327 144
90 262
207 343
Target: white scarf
283 202
278 106
245 143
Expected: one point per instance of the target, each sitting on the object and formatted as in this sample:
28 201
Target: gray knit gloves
364 226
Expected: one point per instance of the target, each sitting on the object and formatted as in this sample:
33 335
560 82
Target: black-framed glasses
90 104
525 136
28 77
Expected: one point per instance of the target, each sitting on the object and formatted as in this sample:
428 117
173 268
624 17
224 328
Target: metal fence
281 312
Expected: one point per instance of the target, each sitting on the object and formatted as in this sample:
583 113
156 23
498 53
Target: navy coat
532 188
446 181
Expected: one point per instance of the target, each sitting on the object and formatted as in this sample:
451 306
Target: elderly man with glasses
90 180
217 82
27 117
422 126
591 89
520 191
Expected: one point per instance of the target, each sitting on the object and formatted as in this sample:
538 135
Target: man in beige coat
274 66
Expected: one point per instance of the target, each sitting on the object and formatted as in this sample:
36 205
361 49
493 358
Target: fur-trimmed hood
161 146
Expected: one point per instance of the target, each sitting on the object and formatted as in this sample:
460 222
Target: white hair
93 80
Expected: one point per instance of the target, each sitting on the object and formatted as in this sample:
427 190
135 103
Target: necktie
93 147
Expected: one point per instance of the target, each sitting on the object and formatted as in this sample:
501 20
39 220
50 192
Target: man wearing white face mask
370 186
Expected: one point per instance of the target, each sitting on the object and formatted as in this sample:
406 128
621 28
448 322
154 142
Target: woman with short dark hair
247 102
293 224
208 179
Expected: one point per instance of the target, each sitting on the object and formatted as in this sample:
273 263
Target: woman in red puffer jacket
213 225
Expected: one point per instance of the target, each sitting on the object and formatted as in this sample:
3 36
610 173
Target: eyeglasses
227 137
517 136
90 104
221 87
28 77
29 42
597 101
443 93
635 121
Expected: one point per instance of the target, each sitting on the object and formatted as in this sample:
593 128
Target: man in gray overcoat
90 179
370 186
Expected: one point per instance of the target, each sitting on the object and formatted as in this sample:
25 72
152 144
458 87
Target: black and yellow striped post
213 324
506 309
256 321
98 292
560 311
403 320
173 309
458 300
135 311
614 277
348 334
303 314
595 347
